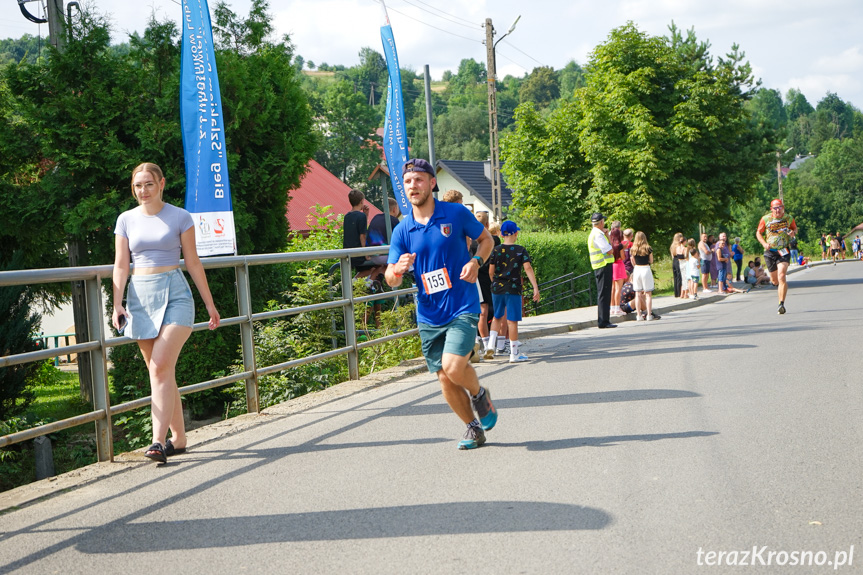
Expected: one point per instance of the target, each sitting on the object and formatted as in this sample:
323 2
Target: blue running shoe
485 410
520 358
473 438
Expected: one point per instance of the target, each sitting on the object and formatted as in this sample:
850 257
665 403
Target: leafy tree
833 119
19 326
370 76
826 194
542 87
668 140
348 130
796 105
468 86
26 48
571 78
766 107
660 128
546 171
462 134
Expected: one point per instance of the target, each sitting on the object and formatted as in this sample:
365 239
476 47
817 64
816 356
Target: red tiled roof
319 186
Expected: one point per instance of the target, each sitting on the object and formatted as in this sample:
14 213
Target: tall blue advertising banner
395 135
208 192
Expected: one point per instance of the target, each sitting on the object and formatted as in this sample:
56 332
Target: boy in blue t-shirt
433 238
507 262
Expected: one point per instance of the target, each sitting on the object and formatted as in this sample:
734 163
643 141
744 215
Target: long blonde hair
640 247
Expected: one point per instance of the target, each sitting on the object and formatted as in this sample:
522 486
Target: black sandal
171 450
158 454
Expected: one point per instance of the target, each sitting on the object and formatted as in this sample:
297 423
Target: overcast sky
816 47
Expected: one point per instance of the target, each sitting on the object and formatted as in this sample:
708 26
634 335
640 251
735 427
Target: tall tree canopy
662 130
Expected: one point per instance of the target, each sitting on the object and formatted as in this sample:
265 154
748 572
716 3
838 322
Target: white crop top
154 241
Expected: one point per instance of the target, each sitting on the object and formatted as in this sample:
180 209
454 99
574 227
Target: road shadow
458 518
553 400
569 443
820 283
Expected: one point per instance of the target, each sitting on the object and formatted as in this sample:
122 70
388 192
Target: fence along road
716 429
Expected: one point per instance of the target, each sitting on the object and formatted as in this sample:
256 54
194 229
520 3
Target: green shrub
554 254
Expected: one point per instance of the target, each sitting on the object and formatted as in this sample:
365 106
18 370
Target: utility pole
492 122
430 121
56 24
494 149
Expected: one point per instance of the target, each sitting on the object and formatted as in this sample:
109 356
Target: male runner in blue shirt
432 239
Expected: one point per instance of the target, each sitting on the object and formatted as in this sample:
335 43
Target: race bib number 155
436 281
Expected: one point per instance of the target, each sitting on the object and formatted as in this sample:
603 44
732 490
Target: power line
508 43
442 12
472 25
513 61
435 27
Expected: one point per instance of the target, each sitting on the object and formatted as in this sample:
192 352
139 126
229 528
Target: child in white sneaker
507 261
694 269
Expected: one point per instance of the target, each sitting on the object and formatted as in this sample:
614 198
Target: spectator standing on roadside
737 255
693 268
706 255
723 260
502 335
714 265
642 277
823 243
627 246
505 266
774 232
792 245
601 260
618 269
678 256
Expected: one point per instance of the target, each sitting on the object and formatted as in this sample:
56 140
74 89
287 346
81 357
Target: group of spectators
833 247
711 262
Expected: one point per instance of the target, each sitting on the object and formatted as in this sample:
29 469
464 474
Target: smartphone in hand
122 321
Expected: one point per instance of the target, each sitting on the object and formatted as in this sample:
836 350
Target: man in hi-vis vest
601 260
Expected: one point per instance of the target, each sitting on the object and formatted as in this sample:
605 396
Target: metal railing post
99 368
350 323
247 336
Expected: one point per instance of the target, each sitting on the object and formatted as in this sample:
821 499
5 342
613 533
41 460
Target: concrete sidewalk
585 317
529 328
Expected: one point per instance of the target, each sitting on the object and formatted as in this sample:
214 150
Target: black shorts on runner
772 259
835 252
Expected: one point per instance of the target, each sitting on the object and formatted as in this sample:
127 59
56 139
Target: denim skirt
156 300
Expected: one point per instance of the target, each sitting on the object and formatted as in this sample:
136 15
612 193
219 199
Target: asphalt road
650 448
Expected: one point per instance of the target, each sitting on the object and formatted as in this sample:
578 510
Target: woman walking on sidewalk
160 311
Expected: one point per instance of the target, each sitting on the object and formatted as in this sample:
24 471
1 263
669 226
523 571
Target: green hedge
555 254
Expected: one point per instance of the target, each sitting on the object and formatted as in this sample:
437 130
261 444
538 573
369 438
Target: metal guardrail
560 293
99 345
